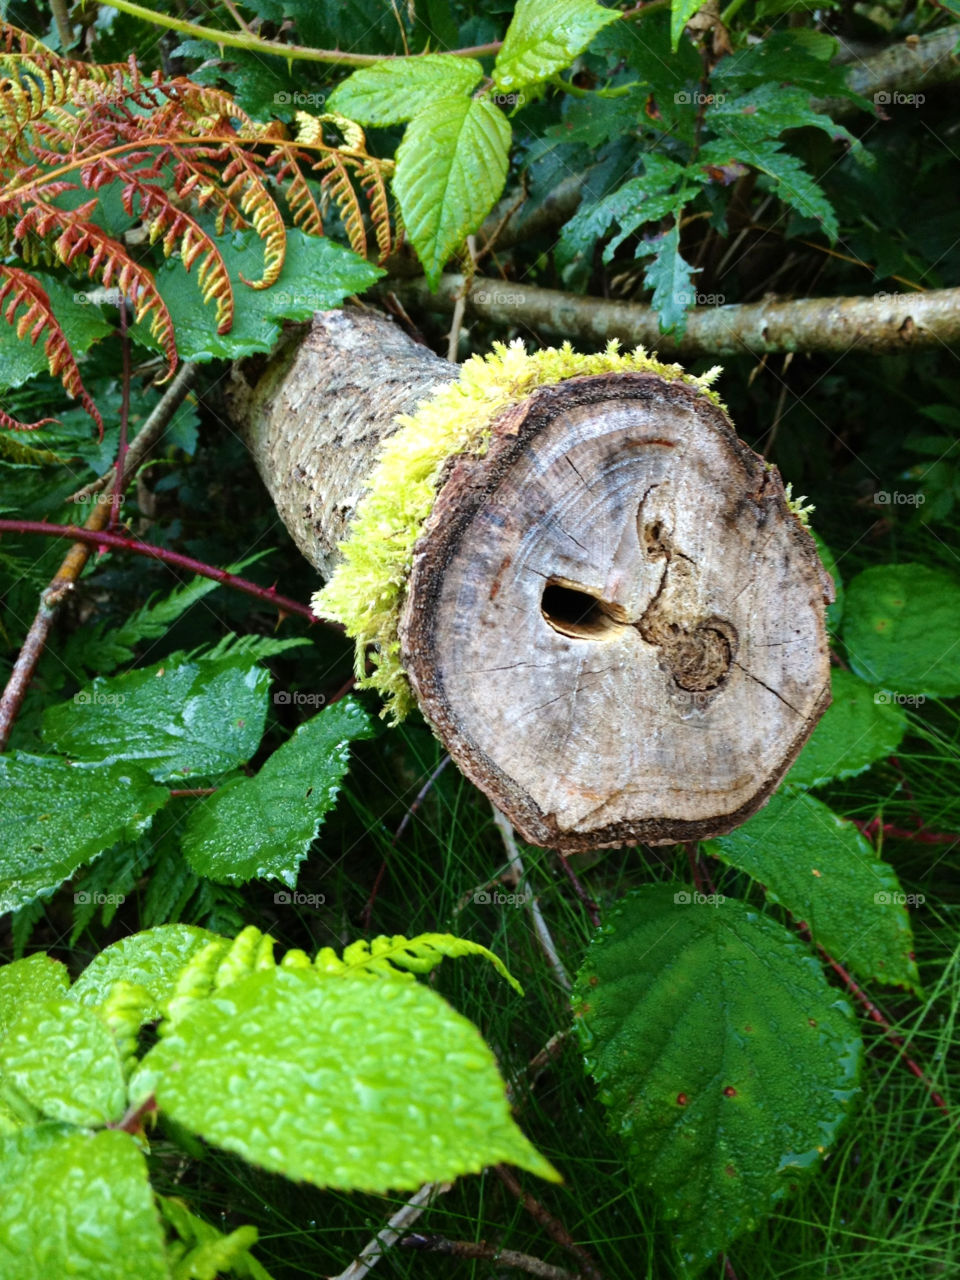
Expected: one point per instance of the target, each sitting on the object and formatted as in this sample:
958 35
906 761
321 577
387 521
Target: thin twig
553 1226
92 537
593 911
488 1252
520 877
453 338
405 1217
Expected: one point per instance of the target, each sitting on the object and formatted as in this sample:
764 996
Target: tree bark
614 622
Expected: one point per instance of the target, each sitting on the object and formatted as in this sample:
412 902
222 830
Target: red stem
114 542
874 827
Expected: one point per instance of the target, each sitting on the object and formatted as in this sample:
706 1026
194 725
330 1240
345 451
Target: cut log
613 620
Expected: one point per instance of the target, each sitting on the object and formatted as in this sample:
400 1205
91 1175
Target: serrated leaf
798 56
767 111
825 873
451 168
792 183
151 959
63 1060
55 816
176 719
723 1057
681 11
670 277
264 826
901 628
394 91
860 726
369 1085
25 982
77 1204
539 43
317 275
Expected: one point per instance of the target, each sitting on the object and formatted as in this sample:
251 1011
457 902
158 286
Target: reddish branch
553 1226
875 827
91 537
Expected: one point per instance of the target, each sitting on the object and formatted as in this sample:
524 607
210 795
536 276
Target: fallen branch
519 877
887 322
489 1252
405 1217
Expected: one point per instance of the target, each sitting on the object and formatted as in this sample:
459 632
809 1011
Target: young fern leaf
400 957
23 291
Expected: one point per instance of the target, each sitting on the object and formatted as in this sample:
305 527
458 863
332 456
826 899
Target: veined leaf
725 1060
28 981
670 277
264 826
539 42
793 184
55 816
451 167
78 1204
63 1060
825 873
681 11
861 725
901 628
395 90
366 1085
176 719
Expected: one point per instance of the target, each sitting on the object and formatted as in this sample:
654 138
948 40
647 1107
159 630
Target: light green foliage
723 1057
819 866
264 826
859 727
368 1085
451 167
77 1204
366 590
25 982
55 816
204 1253
153 959
540 42
670 277
60 1057
402 957
176 719
681 11
394 92
901 628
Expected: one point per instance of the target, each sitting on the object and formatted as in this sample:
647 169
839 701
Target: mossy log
613 620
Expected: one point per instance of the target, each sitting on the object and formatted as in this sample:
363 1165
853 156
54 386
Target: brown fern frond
303 204
83 245
14 424
336 185
22 290
375 189
243 181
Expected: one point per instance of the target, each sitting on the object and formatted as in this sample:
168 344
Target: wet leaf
861 725
538 44
394 92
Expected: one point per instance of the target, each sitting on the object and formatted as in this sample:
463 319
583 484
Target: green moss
366 590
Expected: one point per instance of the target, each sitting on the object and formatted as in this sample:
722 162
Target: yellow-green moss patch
367 588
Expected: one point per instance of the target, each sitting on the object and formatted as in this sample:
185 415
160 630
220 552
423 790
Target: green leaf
152 959
451 167
392 92
63 1060
77 1204
901 628
825 873
403 957
205 1253
176 719
317 275
835 610
671 278
860 726
369 1085
798 56
264 826
55 816
767 111
82 322
792 183
540 43
681 11
38 977
724 1058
